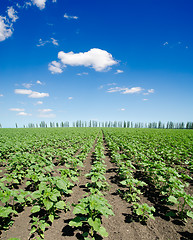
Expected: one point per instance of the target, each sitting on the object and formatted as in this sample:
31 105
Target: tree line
113 124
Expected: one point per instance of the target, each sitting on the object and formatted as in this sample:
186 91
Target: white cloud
38 103
25 5
6 29
24 114
54 41
55 67
116 89
70 17
83 73
149 91
166 43
145 99
27 85
23 91
39 3
45 110
42 43
12 14
38 82
38 95
31 94
125 90
70 98
122 109
118 71
17 109
132 90
1 95
96 58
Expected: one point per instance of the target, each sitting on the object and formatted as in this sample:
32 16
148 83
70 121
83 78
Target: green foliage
143 211
89 211
39 226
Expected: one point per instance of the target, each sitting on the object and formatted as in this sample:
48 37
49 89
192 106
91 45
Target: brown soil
122 226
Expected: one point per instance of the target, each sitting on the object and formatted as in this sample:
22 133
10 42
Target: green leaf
36 194
14 239
102 231
95 224
53 197
190 214
35 209
42 186
61 184
43 225
172 199
80 210
76 222
33 230
27 183
47 203
51 218
139 211
60 204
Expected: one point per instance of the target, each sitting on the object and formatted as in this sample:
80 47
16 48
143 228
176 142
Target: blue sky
65 60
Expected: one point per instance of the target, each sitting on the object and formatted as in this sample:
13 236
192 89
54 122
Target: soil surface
122 226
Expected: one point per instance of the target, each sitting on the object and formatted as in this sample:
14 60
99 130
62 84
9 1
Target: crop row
44 179
131 152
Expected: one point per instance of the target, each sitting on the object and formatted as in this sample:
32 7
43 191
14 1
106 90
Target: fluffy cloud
96 58
24 114
54 41
6 23
38 95
12 14
17 109
39 3
70 17
45 110
22 91
122 109
38 103
119 71
70 98
145 99
6 29
1 95
149 91
125 90
55 67
31 94
38 82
